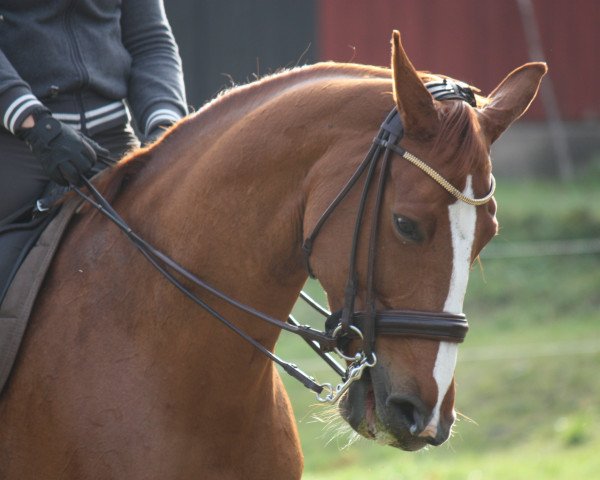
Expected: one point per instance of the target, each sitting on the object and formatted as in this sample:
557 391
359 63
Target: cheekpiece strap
393 126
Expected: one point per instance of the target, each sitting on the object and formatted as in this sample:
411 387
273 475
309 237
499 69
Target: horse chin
362 408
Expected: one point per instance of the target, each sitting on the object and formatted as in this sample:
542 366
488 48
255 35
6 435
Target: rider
80 66
72 73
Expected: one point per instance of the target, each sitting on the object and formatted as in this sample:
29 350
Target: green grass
528 386
534 461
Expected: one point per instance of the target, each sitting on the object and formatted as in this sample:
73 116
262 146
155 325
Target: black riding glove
64 153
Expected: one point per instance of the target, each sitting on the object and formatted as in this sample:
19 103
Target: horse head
426 241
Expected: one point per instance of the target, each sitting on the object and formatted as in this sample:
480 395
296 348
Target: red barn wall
477 41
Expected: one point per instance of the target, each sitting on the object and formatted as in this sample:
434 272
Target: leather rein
346 324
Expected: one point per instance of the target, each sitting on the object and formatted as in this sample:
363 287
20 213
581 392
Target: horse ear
511 98
413 100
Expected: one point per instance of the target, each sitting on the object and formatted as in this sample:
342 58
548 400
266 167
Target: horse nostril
435 441
408 410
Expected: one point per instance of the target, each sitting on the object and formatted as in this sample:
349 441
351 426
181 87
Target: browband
451 90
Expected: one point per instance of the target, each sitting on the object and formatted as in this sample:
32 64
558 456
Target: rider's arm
17 101
156 92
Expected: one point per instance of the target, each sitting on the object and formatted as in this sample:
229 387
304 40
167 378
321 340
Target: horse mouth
358 408
361 408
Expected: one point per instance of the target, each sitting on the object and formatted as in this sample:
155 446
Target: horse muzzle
398 419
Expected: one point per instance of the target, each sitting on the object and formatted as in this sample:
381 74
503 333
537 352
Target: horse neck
227 197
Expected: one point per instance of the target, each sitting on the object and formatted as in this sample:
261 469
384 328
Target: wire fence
530 351
546 248
550 350
515 250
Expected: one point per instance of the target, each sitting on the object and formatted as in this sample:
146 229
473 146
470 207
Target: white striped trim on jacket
94 118
160 117
18 111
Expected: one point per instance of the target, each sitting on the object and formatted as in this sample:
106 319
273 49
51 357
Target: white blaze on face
462 227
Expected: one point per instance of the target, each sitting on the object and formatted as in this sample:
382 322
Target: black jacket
84 58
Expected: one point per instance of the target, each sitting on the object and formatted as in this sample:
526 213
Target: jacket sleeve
156 93
17 101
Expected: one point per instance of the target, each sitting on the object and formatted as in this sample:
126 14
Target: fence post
558 133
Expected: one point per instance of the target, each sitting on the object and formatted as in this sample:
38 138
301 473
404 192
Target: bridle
346 324
370 323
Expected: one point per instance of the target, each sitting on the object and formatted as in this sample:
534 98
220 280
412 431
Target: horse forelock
460 141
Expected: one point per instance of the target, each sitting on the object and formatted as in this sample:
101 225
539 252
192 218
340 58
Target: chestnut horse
119 376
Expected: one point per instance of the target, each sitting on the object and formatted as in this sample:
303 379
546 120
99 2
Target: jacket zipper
78 61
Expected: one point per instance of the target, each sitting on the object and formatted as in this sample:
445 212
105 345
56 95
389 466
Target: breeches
22 178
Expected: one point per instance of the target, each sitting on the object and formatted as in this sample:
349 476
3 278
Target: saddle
26 249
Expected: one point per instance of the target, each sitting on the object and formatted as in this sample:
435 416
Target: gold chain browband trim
447 185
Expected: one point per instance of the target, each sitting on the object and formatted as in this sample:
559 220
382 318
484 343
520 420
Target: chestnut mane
458 127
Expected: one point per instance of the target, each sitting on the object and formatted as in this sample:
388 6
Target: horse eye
407 228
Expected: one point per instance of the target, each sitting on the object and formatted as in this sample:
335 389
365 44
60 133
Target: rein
342 326
169 267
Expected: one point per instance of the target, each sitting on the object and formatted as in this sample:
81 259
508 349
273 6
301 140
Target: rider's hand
64 153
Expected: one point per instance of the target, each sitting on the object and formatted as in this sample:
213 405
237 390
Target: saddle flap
21 294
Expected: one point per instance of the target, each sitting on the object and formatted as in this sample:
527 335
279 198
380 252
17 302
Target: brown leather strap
434 326
368 329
